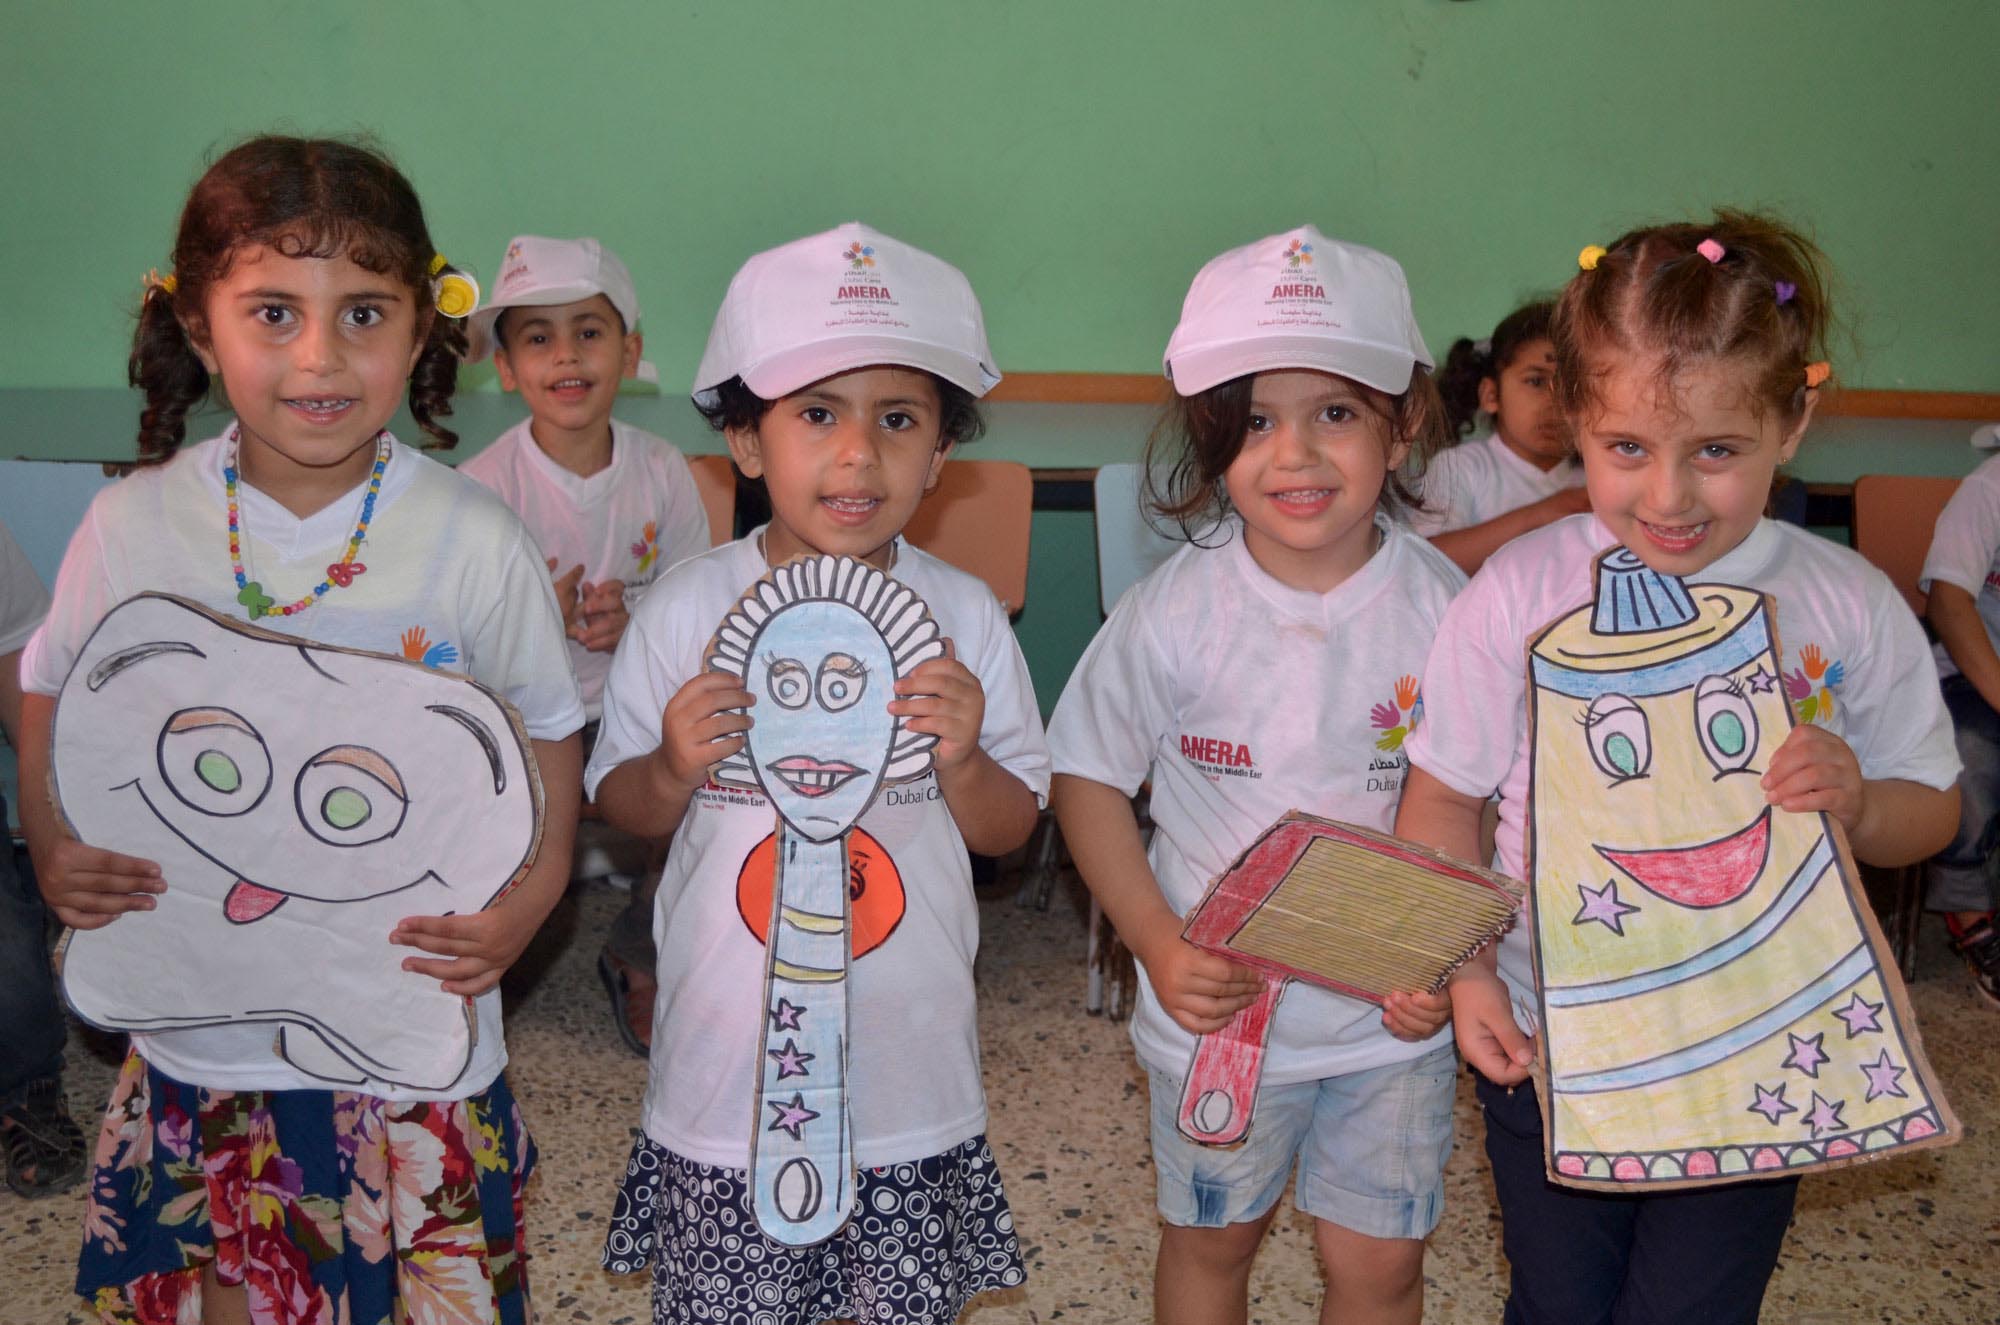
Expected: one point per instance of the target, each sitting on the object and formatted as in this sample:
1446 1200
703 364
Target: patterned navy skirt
926 1238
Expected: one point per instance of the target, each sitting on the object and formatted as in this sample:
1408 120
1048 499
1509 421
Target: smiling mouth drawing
1705 875
247 901
810 777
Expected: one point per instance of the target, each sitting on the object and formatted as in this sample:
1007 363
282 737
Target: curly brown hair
304 198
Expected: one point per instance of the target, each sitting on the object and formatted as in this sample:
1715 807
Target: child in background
1962 577
842 369
44 1148
1480 493
1294 632
229 1186
1688 365
610 506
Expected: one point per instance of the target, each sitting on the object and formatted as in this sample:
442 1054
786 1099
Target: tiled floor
1910 1240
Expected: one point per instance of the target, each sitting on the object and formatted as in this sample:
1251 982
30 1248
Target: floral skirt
328 1207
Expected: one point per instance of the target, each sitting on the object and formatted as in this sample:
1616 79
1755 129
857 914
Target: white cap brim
1387 368
801 366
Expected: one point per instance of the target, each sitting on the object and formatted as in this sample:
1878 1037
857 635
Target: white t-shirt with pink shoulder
1481 478
630 521
913 1081
1854 662
1241 698
453 582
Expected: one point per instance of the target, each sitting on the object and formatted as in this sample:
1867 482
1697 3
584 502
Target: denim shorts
1370 1146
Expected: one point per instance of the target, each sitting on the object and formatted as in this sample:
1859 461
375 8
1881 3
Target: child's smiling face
314 355
846 461
566 360
1681 471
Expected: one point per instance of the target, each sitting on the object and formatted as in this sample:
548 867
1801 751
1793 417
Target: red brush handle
1221 1090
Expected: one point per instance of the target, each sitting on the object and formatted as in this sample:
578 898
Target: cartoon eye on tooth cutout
1716 1000
820 641
300 800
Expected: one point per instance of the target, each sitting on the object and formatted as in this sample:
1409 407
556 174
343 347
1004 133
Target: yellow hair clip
456 293
165 284
1588 259
1817 372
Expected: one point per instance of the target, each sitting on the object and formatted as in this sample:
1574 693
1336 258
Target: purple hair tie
1785 292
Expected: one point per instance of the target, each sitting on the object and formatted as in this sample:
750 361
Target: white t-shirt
452 581
1481 478
1965 551
1854 662
913 1084
629 521
23 600
1243 698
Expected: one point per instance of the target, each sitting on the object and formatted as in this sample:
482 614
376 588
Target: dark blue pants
1600 1258
31 1021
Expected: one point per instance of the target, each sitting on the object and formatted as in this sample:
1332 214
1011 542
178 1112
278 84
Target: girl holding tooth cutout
230 1186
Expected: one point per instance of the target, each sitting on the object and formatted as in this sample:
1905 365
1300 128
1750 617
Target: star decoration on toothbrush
1603 906
785 1016
1860 1015
791 1115
1824 1115
791 1063
1761 681
1808 1053
1884 1078
1771 1103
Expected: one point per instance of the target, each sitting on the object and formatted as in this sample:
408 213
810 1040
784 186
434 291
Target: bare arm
1471 546
994 810
1199 990
1954 614
10 697
648 794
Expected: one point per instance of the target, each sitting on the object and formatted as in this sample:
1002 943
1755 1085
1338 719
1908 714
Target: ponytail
164 366
435 377
1466 365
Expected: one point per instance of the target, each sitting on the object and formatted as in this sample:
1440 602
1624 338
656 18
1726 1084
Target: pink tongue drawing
247 902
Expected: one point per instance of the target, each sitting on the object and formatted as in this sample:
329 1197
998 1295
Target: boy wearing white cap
610 506
842 368
1272 666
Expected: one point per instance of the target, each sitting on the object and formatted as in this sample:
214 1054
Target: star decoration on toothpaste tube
1761 680
1825 1115
1603 906
1807 1053
1884 1078
1771 1103
1860 1015
785 1016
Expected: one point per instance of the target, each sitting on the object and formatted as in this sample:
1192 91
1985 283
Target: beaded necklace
250 592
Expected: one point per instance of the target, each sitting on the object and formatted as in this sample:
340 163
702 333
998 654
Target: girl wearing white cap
1271 666
843 369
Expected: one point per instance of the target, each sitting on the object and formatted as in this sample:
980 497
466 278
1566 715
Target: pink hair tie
1711 250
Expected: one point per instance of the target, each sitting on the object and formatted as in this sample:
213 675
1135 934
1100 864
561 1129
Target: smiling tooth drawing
1716 999
820 641
300 800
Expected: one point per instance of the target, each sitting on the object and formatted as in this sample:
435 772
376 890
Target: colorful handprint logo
859 256
647 549
417 647
1298 254
1396 721
1810 685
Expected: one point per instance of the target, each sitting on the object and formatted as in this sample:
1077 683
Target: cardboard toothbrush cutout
820 641
1356 912
300 801
1716 1000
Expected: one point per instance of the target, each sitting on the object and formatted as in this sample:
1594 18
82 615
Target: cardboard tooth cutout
300 800
1716 999
821 642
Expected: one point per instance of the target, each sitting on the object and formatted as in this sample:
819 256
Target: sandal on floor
631 989
43 1145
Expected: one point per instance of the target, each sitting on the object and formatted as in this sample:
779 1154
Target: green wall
1079 158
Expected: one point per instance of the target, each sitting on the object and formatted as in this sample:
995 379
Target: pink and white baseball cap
537 272
1297 300
842 300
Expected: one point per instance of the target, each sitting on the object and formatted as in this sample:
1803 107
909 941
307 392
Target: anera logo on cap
1298 254
859 256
